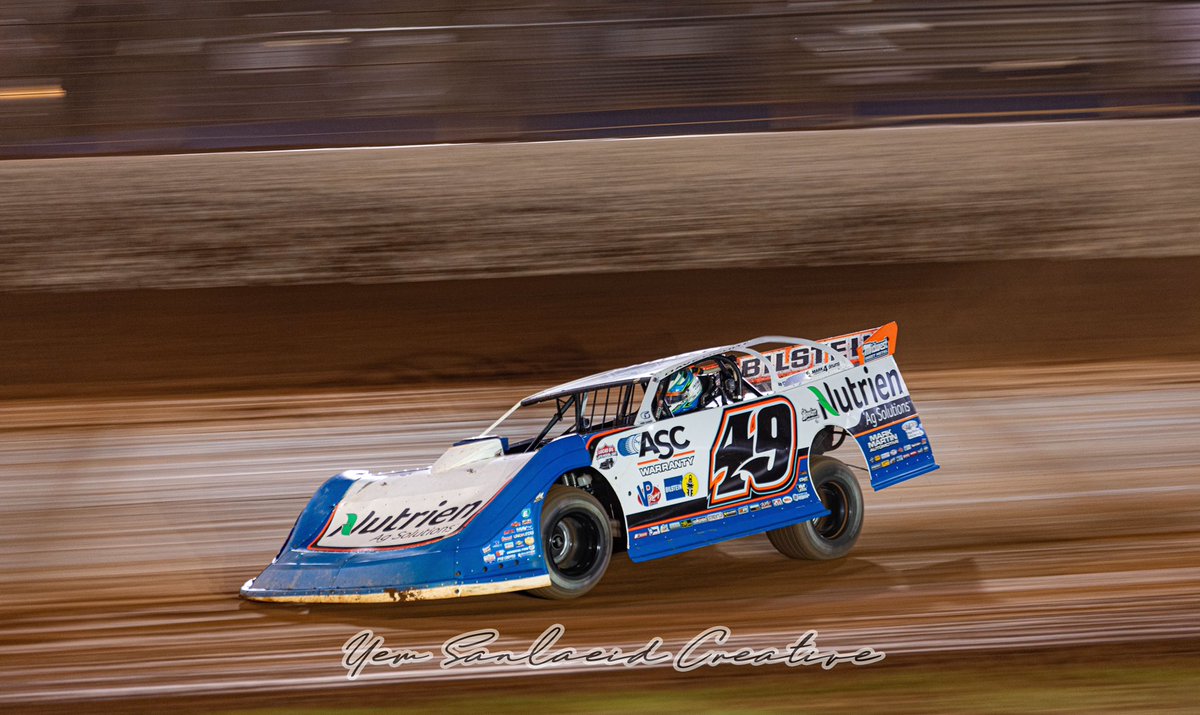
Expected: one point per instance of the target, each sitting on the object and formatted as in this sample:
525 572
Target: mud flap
897 452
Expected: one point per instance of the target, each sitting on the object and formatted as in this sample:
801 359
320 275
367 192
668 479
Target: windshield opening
529 427
609 407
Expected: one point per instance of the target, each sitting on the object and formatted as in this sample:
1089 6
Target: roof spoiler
859 347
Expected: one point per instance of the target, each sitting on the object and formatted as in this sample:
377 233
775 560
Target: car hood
404 509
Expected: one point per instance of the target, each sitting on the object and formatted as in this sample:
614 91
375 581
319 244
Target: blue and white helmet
683 392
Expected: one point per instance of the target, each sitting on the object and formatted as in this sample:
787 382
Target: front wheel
830 537
577 541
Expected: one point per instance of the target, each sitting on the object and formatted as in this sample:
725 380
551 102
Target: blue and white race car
654 460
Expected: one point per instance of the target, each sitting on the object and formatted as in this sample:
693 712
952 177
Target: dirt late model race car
654 459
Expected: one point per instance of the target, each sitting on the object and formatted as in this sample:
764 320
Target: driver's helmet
683 393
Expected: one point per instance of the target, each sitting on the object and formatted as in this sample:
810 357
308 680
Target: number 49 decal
755 452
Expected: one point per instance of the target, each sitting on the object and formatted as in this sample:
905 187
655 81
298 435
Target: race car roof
633 373
665 366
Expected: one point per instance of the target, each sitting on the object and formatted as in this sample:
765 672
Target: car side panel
727 472
710 476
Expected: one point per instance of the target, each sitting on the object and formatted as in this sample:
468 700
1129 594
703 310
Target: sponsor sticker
800 358
886 413
648 494
875 350
630 446
679 487
420 521
670 466
655 444
518 541
821 369
912 429
882 440
838 397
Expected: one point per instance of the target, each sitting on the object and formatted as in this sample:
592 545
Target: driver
683 393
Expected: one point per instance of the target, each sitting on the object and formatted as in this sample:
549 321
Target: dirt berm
950 314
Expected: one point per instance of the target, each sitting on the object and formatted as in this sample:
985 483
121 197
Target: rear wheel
830 537
577 541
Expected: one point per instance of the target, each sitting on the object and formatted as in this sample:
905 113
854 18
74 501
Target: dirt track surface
1065 512
1033 191
547 328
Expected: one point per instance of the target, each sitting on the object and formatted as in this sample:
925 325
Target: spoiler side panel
888 430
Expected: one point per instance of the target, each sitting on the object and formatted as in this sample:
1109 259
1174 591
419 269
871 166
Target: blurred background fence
163 75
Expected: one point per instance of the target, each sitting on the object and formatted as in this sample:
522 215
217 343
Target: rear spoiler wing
858 347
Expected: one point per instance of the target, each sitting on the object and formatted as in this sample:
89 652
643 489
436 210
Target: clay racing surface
189 346
129 526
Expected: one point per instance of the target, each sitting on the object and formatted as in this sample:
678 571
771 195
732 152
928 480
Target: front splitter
395 595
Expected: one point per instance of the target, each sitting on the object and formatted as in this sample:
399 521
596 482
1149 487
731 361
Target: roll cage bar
838 359
651 381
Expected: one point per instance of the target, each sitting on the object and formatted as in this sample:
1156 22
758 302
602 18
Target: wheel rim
833 497
573 544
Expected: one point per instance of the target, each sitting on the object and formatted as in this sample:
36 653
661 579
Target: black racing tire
577 541
829 537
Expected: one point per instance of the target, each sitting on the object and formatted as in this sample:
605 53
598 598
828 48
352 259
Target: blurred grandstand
102 76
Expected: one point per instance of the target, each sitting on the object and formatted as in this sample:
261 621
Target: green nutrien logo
397 529
870 391
821 399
